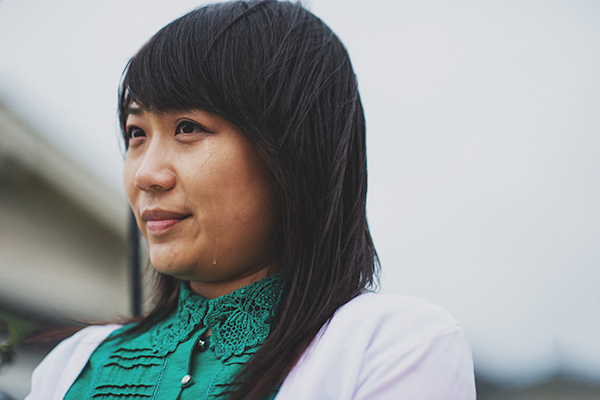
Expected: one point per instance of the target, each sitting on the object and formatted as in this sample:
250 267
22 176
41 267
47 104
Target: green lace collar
238 321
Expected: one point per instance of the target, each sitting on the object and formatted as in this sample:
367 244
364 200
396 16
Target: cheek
129 169
254 209
131 191
237 191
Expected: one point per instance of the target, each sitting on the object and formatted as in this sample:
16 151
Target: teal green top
192 354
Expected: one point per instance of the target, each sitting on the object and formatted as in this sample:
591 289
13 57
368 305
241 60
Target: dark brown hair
282 76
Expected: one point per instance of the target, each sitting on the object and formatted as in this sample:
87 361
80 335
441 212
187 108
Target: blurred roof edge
23 145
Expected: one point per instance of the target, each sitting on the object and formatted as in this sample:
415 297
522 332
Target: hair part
281 75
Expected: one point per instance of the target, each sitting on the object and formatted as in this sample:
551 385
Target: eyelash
196 127
133 130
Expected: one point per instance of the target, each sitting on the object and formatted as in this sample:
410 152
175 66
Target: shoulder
408 316
87 338
62 365
90 334
386 347
388 327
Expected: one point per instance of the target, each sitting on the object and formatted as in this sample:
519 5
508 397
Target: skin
202 197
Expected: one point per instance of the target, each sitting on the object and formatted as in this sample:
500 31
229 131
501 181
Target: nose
155 172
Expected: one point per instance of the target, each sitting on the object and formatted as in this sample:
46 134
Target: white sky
484 143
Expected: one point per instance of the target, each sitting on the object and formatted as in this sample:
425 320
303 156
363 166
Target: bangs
192 63
267 67
168 73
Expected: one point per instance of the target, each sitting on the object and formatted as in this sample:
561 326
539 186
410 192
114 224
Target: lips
159 221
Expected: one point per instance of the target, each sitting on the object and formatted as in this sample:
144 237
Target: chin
174 269
180 270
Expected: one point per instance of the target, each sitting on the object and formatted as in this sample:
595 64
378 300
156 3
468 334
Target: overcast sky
483 139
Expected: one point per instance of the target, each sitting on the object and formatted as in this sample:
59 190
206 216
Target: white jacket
374 347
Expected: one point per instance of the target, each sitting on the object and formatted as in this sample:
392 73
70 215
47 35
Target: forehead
137 110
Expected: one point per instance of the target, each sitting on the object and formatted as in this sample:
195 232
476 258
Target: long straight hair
281 75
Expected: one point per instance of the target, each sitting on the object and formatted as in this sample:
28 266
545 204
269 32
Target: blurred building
63 253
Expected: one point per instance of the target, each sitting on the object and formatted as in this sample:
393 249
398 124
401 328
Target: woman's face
202 197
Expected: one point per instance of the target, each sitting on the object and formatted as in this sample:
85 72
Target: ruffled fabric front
152 365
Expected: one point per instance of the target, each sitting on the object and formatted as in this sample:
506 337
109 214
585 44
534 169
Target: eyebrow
135 111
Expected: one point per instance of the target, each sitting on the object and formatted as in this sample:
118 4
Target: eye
190 127
135 132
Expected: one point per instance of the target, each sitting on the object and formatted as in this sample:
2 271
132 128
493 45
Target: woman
246 171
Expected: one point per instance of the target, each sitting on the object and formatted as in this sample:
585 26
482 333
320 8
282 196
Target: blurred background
484 160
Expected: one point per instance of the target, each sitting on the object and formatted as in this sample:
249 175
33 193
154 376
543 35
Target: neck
211 290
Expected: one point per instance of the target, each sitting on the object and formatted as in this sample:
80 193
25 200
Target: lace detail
178 327
238 320
242 319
